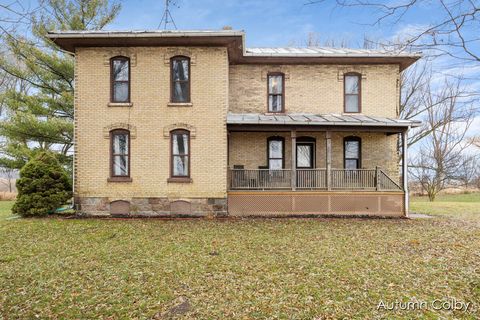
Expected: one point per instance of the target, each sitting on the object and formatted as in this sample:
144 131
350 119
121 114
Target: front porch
312 179
316 164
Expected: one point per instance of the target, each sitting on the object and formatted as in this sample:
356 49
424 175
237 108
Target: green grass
244 269
465 206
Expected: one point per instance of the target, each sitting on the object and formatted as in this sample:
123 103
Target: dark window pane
352 84
120 165
180 69
120 144
180 92
120 70
304 156
275 103
351 103
275 84
351 164
352 149
180 143
120 91
180 166
275 164
276 149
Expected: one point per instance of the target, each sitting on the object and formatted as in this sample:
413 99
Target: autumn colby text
437 304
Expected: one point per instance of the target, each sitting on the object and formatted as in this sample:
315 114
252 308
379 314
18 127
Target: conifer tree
39 116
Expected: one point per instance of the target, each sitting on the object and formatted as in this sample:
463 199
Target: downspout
405 169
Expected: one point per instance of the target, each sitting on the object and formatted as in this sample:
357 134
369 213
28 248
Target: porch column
405 168
328 158
294 159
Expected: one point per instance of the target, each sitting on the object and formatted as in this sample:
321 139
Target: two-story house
195 123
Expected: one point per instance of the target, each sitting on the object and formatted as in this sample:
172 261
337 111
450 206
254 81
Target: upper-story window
180 154
276 92
180 77
120 79
352 152
276 153
352 92
120 153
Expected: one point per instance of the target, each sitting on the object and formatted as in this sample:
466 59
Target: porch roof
308 119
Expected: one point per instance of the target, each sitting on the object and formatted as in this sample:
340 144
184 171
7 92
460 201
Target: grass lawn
453 205
245 269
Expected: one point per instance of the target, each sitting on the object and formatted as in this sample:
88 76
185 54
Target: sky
266 22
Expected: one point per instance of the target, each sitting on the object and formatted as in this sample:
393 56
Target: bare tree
315 39
475 141
467 170
437 160
8 177
421 94
455 33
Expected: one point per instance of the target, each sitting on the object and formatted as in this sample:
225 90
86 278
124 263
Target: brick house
195 123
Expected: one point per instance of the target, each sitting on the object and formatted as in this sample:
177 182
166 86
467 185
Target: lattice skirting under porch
257 203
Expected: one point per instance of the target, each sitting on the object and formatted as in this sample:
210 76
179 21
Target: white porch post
294 159
405 169
328 158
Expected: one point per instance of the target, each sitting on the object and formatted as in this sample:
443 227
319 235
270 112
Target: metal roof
327 52
303 119
142 33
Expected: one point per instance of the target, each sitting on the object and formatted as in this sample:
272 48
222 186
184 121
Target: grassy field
465 205
245 269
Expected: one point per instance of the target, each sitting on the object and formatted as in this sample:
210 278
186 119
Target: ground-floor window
276 153
120 153
352 152
180 153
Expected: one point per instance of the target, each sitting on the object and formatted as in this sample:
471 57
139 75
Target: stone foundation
151 207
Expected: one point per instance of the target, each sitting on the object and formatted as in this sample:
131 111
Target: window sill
120 104
179 104
269 113
119 179
179 180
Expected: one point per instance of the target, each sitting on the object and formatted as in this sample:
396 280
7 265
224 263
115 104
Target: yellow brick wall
315 88
250 149
150 114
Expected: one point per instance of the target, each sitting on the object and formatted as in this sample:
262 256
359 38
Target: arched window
276 153
276 92
120 153
120 79
352 92
352 152
180 154
180 79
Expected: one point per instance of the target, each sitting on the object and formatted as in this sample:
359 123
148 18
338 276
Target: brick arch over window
172 52
179 126
120 125
124 52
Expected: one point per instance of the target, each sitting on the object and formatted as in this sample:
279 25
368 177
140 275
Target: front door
305 161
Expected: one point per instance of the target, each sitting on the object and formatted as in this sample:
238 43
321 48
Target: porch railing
311 179
260 179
